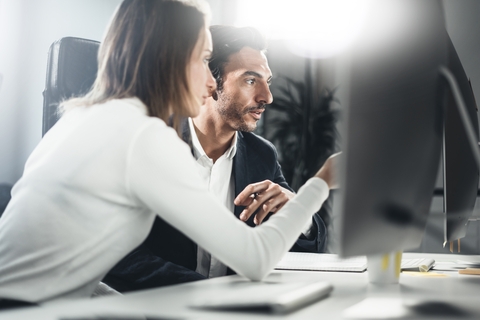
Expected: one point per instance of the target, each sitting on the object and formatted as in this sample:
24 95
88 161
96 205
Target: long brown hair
145 54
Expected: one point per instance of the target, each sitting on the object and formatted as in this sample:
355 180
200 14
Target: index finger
249 190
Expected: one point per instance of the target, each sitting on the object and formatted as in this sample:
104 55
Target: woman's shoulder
126 105
130 112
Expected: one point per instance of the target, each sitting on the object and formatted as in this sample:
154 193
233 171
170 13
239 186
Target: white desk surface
459 291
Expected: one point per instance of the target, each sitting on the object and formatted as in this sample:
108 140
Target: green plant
304 132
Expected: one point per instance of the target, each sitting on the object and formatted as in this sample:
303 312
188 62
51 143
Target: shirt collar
198 149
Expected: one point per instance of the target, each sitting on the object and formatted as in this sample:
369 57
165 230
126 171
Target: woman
92 187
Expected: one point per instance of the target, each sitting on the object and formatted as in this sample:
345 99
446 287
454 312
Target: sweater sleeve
161 176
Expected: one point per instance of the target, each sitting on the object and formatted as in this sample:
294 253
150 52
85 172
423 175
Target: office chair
71 71
5 197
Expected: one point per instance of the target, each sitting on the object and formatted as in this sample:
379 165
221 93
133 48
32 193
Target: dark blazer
168 256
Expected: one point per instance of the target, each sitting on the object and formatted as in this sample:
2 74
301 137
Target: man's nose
211 82
264 94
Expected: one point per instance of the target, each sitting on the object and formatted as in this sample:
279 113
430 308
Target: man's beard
232 113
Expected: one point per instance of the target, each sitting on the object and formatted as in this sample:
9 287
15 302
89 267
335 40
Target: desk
349 289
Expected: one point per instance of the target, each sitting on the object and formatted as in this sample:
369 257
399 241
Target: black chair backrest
5 196
71 71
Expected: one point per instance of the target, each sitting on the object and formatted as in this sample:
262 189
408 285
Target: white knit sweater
89 195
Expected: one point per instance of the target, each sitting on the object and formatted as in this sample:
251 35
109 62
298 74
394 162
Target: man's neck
214 136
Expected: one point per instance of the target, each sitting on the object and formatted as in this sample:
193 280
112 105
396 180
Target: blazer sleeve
257 160
166 257
142 269
317 239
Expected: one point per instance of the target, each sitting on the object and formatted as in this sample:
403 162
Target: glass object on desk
384 268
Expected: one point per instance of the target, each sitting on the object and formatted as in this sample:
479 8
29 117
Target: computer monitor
392 128
460 169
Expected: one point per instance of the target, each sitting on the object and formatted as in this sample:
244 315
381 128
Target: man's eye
250 81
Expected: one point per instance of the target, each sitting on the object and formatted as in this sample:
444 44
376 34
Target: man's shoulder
255 141
256 148
260 157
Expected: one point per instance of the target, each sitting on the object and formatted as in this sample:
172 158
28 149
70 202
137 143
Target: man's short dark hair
228 40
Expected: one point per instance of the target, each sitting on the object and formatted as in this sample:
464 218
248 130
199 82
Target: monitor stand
385 299
389 306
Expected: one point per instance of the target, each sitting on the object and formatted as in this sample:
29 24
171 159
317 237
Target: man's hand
266 195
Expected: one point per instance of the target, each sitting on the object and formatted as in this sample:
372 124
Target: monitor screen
460 170
392 128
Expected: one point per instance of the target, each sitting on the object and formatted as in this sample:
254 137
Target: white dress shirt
90 192
219 180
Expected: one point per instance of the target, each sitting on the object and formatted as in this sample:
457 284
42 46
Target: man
231 160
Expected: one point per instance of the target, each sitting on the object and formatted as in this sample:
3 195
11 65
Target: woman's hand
327 171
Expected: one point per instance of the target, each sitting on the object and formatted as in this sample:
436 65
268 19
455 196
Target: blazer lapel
186 135
240 169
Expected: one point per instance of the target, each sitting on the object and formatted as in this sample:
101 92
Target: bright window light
312 28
